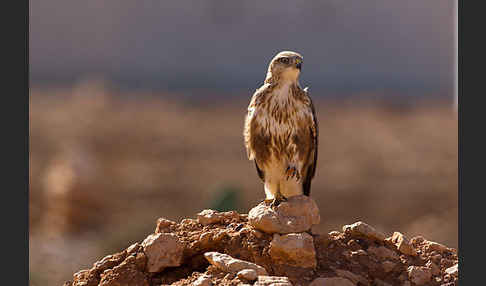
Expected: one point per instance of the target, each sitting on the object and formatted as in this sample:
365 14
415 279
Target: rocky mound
272 247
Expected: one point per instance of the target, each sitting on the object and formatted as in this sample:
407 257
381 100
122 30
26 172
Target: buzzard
281 132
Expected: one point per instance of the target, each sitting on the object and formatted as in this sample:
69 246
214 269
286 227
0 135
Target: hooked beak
298 63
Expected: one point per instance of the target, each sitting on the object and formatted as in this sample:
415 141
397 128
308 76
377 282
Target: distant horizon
201 95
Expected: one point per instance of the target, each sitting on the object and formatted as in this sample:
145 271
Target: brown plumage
281 131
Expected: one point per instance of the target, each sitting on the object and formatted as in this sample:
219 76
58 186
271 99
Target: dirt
362 259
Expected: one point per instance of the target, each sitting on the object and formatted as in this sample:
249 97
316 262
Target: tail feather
307 186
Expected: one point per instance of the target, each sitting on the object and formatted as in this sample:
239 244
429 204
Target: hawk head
285 66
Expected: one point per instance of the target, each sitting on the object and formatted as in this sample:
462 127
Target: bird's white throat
290 74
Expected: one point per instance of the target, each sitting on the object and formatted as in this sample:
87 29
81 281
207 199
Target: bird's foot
292 172
276 201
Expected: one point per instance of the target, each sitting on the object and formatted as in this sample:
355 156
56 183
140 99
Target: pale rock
295 249
351 276
162 250
247 274
264 280
297 214
402 243
163 225
383 252
453 270
207 217
419 275
229 264
363 229
203 280
435 246
331 281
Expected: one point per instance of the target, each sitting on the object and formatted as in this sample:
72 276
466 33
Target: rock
402 243
383 253
435 246
446 263
353 245
85 278
220 235
109 261
297 214
323 240
388 266
247 274
163 225
351 277
264 280
419 275
203 280
257 233
353 257
162 250
229 264
453 270
335 234
187 221
295 249
207 217
433 268
379 282
133 248
205 238
125 274
332 281
362 229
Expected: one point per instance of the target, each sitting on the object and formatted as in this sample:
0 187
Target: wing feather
314 131
249 133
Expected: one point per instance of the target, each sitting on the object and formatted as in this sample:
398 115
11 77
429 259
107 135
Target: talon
274 203
268 201
277 200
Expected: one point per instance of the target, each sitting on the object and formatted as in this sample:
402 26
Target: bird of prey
281 131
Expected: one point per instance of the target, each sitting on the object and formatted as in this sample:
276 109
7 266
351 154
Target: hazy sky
216 44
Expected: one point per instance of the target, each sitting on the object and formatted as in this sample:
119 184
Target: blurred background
137 109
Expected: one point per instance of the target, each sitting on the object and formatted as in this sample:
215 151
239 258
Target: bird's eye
285 60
